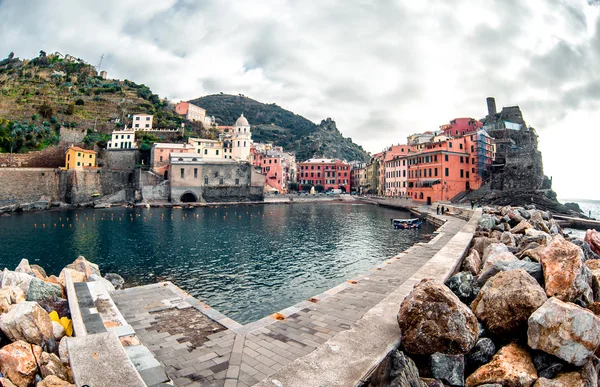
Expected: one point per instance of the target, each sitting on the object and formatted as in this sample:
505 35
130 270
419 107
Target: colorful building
330 173
79 158
278 166
190 111
142 122
160 156
461 126
445 169
210 148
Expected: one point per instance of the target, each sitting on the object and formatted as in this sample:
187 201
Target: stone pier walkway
242 356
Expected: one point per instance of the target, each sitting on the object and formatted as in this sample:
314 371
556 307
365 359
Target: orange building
443 170
330 173
278 167
79 158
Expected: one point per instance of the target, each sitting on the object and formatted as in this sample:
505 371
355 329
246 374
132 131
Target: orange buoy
34 225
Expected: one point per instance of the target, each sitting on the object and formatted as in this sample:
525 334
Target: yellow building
78 158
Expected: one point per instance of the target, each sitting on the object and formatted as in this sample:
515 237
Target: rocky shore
523 311
35 321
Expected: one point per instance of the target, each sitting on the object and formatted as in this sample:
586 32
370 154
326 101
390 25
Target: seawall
20 185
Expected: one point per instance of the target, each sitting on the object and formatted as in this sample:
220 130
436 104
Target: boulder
6 383
547 365
521 227
39 271
76 276
595 308
24 267
564 330
486 222
480 244
508 239
541 237
50 364
585 377
60 305
10 295
106 283
593 239
535 254
496 252
481 353
565 275
117 281
594 267
450 369
84 266
27 321
11 278
397 370
587 251
40 290
511 366
507 300
54 381
432 319
58 332
461 284
472 262
534 269
18 362
63 352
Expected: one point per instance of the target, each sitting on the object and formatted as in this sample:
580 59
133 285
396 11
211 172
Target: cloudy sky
381 69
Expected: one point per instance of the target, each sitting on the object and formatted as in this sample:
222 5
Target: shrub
45 110
35 117
80 102
70 110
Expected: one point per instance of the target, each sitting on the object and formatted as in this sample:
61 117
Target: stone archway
188 197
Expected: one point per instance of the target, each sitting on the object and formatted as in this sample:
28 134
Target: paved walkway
245 355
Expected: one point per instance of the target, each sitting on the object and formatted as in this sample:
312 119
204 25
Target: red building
461 126
330 173
443 170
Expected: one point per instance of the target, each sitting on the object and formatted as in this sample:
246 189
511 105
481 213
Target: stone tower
241 139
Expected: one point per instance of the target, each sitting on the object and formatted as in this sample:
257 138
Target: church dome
242 121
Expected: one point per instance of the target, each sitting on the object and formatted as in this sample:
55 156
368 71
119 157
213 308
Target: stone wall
81 186
153 187
29 184
70 136
119 159
52 157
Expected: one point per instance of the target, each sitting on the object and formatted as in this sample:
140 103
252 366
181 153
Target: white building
122 139
241 139
142 122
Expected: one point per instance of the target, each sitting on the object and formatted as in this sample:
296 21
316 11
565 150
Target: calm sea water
246 261
588 207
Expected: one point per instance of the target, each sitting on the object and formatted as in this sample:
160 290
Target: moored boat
406 223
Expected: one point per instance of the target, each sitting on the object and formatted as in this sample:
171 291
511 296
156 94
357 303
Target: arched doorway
166 175
188 197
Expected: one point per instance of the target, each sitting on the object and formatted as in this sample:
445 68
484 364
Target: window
78 154
237 181
137 118
182 172
473 160
461 159
435 172
462 173
78 163
147 118
128 136
467 174
445 157
460 146
472 148
147 125
161 159
450 144
446 171
429 172
205 179
221 181
195 173
435 158
90 156
217 151
205 151
238 142
137 125
90 164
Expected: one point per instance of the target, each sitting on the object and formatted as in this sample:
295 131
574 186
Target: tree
293 187
319 188
70 110
80 102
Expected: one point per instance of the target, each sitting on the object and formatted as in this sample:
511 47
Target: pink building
159 156
461 126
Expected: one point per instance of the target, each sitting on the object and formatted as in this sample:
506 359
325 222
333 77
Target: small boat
404 224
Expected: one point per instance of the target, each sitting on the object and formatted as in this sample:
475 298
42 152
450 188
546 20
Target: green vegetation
293 187
20 137
271 123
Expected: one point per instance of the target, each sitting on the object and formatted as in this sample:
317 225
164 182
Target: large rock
565 275
480 244
27 321
521 227
486 222
106 283
39 271
58 331
564 330
76 276
60 305
511 366
117 281
594 266
10 295
497 252
4 382
18 362
472 263
534 269
585 377
84 266
461 284
24 267
547 365
40 290
508 239
481 353
592 237
541 237
20 280
587 251
54 381
432 319
397 370
50 364
507 300
450 369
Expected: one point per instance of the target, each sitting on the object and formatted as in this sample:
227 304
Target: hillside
40 95
271 123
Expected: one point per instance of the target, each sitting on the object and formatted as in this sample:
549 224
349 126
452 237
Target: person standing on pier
438 209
